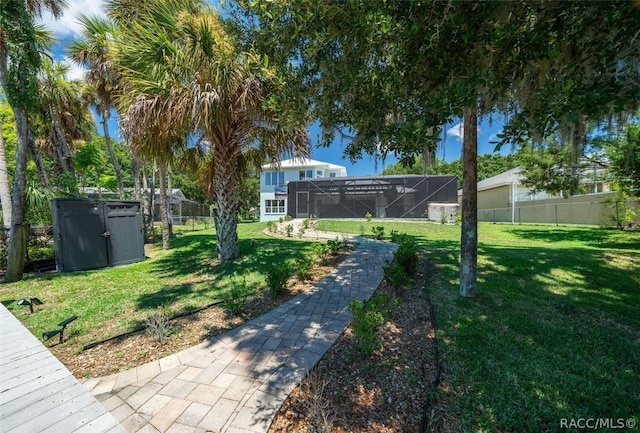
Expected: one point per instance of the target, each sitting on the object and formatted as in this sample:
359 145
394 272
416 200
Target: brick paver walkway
237 382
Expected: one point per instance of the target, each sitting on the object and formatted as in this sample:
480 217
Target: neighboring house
275 177
505 198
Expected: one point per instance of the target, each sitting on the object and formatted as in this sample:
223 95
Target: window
319 173
274 206
332 175
306 174
274 178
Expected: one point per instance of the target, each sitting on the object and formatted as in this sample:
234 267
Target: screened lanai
381 197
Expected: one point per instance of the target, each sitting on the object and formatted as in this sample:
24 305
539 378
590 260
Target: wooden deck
38 393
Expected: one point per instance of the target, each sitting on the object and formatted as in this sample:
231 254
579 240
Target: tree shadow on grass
195 256
596 237
551 334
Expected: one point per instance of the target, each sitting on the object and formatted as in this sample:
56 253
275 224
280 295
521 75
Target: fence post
556 207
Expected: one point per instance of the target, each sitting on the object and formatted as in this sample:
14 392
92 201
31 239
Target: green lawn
110 301
553 333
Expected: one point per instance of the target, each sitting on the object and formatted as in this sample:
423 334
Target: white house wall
267 192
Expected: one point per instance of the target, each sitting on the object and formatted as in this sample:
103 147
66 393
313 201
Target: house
275 177
505 198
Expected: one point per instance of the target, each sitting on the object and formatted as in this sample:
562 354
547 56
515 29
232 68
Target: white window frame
274 206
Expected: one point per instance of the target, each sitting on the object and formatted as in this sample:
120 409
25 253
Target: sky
449 148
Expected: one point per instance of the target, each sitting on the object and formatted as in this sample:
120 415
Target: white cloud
457 131
75 72
68 24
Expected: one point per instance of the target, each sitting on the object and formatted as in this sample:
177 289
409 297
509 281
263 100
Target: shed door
81 243
302 208
126 240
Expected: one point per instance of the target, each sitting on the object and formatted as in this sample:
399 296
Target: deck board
38 393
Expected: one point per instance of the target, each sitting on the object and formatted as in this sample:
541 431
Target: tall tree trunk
169 202
5 190
164 215
225 173
61 146
17 248
469 237
37 159
112 153
135 167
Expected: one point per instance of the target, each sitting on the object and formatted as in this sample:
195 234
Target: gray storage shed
90 234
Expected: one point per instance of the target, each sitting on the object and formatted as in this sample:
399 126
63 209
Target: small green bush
306 223
303 267
367 319
278 277
406 255
288 218
368 216
395 276
334 246
320 253
362 229
301 232
271 227
378 232
236 298
288 230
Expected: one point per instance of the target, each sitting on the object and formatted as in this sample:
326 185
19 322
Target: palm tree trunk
169 204
225 160
112 154
164 215
469 237
17 248
5 190
59 142
135 167
37 159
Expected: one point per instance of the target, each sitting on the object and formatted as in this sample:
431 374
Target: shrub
320 253
271 227
306 223
395 276
362 230
158 325
334 246
368 216
378 232
288 218
288 230
278 277
236 298
365 324
301 232
303 267
406 255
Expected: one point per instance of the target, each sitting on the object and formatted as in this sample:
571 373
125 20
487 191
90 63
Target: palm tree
62 117
19 64
185 77
94 52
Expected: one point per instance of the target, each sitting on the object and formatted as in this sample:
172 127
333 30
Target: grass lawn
553 334
111 301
